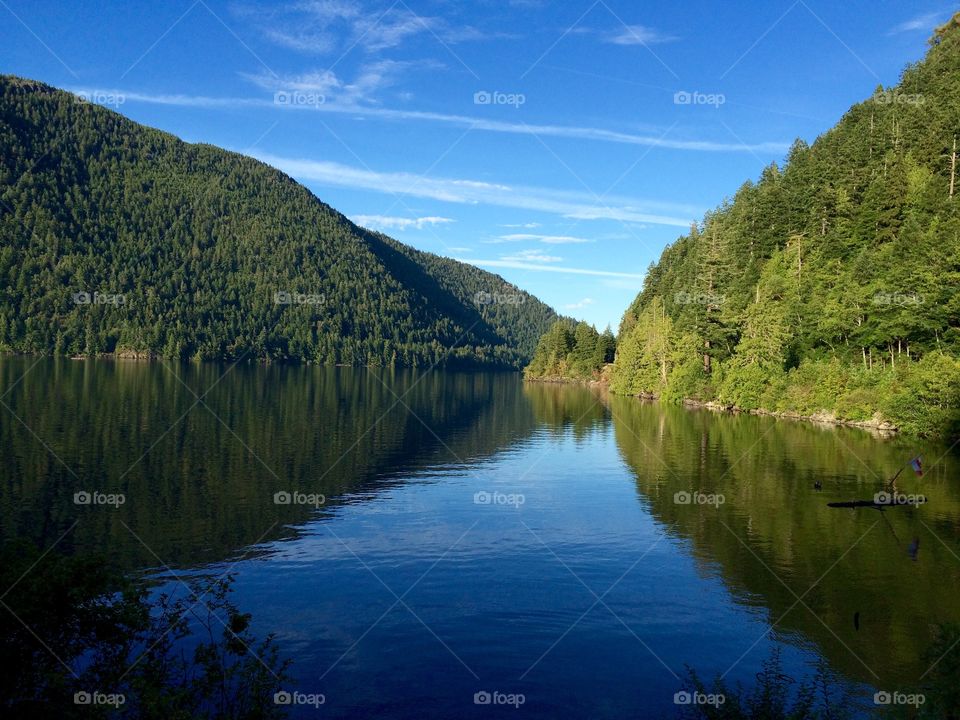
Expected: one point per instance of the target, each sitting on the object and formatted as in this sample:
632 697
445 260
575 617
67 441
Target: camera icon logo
282 498
882 498
682 498
82 498
82 698
682 697
682 97
482 98
282 698
81 298
482 698
882 697
482 498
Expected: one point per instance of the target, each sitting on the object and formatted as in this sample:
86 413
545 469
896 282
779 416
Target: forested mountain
115 237
830 284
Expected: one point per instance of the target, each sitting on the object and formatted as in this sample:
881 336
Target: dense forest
829 286
572 350
118 238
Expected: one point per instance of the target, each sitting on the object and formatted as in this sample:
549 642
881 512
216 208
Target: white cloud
388 222
326 26
549 268
548 239
531 256
371 78
921 22
525 226
559 202
579 305
638 35
473 123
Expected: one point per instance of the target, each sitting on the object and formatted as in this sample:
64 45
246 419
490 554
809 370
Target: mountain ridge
120 238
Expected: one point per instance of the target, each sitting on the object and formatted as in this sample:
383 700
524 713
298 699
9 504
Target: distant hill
829 286
119 238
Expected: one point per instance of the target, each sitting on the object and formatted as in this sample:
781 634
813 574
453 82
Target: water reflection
854 581
199 475
398 457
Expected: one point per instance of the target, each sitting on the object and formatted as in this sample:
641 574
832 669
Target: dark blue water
482 536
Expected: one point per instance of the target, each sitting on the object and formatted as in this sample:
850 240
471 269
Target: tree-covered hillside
115 237
572 350
829 285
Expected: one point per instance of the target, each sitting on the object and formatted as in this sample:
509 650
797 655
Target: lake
418 539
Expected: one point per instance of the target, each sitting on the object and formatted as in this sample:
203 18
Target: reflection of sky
500 585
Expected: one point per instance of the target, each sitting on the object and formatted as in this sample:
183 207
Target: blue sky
559 144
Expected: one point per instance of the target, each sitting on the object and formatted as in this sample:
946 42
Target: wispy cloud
548 239
525 226
638 35
474 192
473 123
580 304
371 78
927 21
327 26
389 222
531 256
549 268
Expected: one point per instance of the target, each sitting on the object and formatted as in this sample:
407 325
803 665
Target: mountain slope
828 287
115 237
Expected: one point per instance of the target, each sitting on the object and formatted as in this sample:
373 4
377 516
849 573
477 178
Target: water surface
479 534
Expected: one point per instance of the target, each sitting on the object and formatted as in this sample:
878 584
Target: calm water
574 577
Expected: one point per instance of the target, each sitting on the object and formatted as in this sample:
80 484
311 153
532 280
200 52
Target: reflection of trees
558 406
765 469
206 488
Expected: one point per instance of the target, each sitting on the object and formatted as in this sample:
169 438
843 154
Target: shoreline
884 427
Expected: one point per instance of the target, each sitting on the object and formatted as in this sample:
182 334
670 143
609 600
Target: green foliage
110 637
829 286
185 250
571 350
775 696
